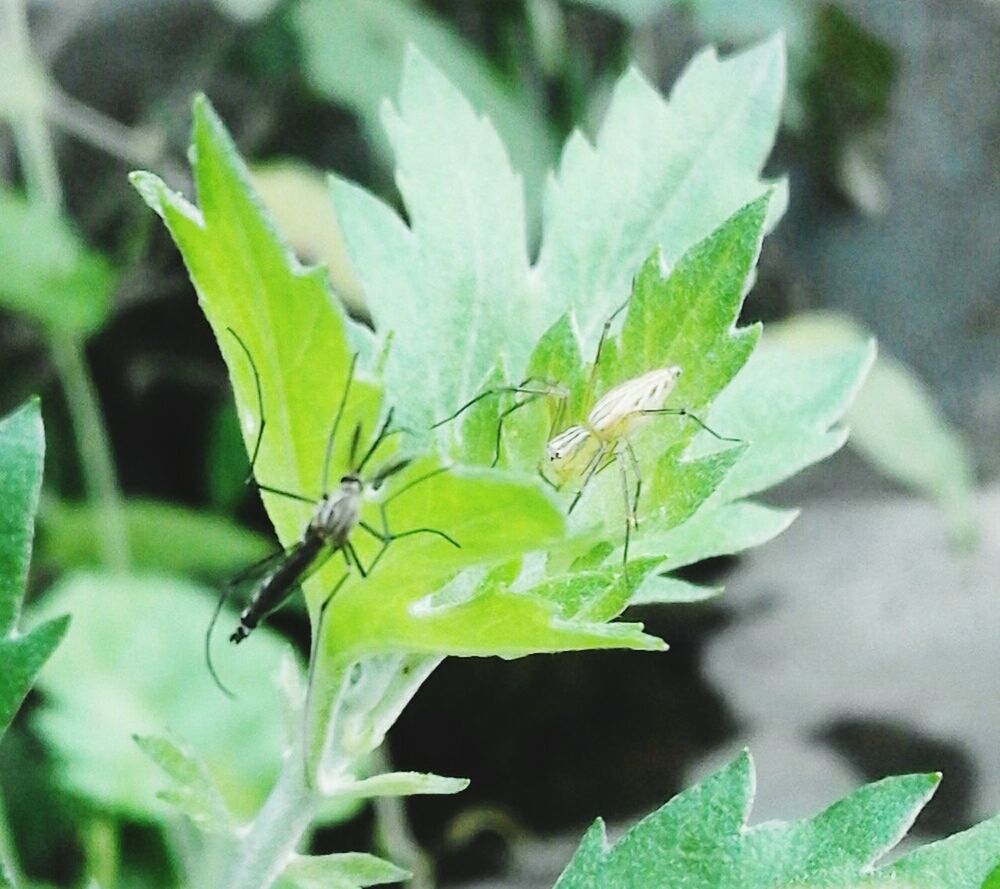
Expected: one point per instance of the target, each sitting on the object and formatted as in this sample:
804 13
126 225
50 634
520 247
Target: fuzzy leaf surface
22 446
660 174
700 839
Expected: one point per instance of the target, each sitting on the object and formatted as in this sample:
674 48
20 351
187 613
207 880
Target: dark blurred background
891 142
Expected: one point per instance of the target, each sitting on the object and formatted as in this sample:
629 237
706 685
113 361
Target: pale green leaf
192 790
22 446
346 870
666 590
786 407
700 839
894 420
162 537
400 784
132 663
47 273
354 54
661 173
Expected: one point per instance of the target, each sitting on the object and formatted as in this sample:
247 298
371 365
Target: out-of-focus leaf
133 663
895 421
666 590
700 839
47 273
192 790
246 10
347 870
299 199
22 445
162 537
353 52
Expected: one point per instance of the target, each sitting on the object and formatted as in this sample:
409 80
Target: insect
337 515
585 449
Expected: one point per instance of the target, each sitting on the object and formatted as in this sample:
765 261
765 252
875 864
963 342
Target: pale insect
337 515
585 449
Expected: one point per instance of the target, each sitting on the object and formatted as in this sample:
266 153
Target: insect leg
634 460
588 474
251 478
605 330
383 433
684 412
336 423
348 547
629 515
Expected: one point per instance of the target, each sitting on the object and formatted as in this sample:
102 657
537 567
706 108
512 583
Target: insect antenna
336 423
383 433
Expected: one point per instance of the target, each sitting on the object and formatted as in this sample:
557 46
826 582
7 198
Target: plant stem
94 450
272 838
41 177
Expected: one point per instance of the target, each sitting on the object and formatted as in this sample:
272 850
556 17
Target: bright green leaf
354 54
162 537
47 273
347 870
133 663
193 791
700 840
665 590
22 445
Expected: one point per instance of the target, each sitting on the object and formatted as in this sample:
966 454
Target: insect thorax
338 513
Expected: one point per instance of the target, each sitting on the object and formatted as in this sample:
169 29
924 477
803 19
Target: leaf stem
94 449
41 176
272 838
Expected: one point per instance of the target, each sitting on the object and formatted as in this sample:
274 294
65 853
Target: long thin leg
634 460
629 517
311 674
605 330
336 423
500 390
251 478
348 547
503 416
227 591
684 412
588 474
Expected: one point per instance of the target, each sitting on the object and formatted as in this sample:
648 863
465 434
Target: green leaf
194 792
459 273
701 839
663 589
47 273
354 54
895 422
22 446
347 870
400 784
248 281
133 663
162 537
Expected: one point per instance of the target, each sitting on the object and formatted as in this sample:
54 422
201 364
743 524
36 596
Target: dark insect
338 513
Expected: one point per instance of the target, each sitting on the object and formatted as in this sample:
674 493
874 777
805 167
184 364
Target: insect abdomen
278 587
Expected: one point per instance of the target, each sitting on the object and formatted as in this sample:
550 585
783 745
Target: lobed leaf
701 839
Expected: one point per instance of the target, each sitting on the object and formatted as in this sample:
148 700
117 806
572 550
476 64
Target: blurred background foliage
889 141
